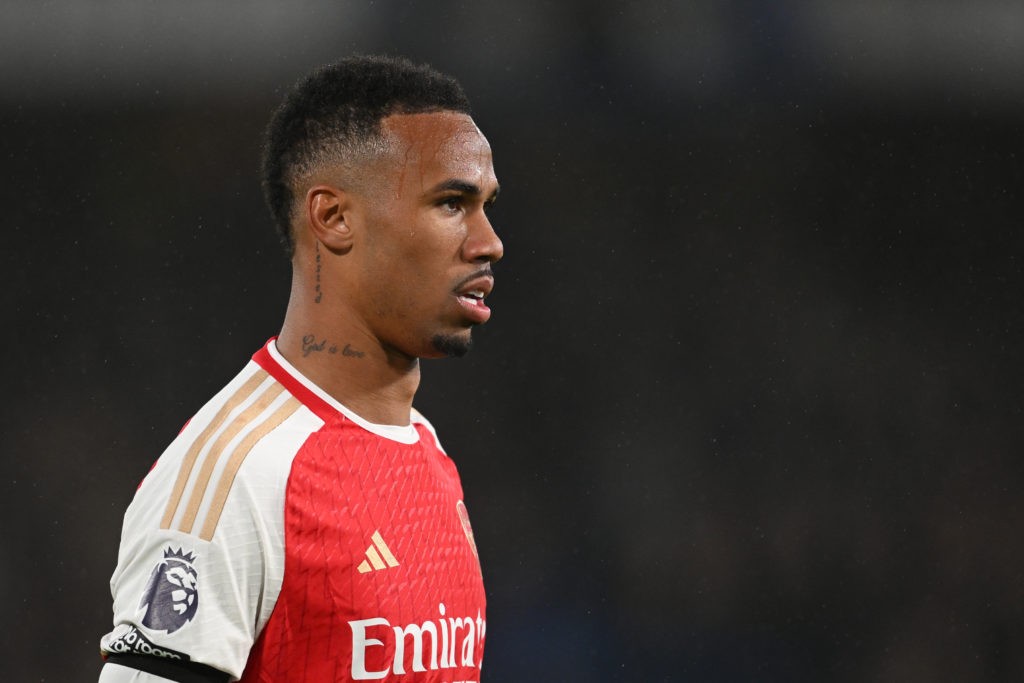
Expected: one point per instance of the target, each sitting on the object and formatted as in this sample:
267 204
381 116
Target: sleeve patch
171 597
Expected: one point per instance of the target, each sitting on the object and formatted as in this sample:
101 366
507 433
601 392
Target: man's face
424 264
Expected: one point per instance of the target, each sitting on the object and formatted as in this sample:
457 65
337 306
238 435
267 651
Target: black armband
171 669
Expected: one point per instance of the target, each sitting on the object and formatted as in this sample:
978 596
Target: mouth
470 294
472 298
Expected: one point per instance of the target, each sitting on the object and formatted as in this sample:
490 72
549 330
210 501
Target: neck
322 342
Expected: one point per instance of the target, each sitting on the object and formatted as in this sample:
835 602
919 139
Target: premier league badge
171 596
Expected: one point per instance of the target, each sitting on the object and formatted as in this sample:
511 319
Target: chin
453 346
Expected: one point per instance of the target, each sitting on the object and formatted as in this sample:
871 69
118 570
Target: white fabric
240 569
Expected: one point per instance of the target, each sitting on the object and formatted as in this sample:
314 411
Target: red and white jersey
281 537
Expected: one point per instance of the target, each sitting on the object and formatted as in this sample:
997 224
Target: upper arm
202 550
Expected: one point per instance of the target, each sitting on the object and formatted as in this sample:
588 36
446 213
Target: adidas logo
378 556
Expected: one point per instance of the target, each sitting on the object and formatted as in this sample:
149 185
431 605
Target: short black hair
336 111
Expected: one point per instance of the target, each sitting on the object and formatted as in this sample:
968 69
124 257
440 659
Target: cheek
427 256
411 269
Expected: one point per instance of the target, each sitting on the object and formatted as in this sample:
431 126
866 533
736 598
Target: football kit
281 537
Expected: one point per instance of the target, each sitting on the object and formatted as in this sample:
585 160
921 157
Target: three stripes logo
378 555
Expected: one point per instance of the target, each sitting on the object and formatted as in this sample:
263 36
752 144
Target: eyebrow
457 185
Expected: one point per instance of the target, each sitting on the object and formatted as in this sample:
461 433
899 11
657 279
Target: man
306 524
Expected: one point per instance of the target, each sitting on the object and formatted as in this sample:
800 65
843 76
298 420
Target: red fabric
345 484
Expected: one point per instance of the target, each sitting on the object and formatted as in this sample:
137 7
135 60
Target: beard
452 346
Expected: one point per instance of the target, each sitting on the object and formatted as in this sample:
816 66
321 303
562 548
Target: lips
470 294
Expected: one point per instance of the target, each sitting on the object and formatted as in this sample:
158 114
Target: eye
452 204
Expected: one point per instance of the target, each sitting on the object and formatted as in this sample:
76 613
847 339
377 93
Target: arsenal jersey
281 537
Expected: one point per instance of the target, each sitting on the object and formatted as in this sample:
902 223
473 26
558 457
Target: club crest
171 596
466 526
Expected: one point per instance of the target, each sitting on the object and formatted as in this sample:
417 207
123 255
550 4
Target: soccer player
306 524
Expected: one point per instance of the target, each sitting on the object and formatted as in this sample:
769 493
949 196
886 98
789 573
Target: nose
482 243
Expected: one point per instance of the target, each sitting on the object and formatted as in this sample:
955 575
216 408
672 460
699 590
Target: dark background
750 404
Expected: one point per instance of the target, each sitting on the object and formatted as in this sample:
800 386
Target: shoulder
243 439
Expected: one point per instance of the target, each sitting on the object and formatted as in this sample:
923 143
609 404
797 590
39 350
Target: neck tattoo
311 345
319 292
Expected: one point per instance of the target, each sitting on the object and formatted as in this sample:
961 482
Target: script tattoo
319 292
311 345
349 351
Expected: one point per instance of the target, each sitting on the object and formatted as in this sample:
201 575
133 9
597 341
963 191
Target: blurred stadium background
750 406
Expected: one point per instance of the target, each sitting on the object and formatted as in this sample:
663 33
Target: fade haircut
334 116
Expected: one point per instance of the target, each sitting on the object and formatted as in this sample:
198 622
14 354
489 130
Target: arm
202 547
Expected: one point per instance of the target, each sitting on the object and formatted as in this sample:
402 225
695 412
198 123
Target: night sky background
750 404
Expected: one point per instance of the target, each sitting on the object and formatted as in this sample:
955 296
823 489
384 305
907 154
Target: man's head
380 182
333 118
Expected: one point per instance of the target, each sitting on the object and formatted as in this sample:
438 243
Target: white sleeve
202 548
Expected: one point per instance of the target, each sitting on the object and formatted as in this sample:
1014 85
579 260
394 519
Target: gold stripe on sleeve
236 399
230 432
241 451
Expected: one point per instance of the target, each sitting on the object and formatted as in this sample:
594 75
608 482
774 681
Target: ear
328 211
